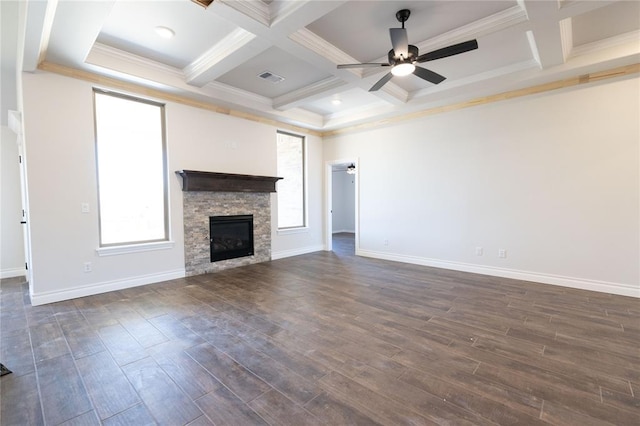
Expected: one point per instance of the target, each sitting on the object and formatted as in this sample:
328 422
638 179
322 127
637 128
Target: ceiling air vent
269 76
203 3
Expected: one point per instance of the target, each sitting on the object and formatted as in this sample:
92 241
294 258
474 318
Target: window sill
134 248
287 231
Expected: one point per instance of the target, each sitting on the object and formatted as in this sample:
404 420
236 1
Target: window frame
305 219
134 245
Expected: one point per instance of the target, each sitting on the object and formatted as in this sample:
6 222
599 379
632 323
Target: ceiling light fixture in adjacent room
336 101
351 169
165 32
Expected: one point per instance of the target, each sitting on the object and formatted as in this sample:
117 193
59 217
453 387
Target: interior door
15 123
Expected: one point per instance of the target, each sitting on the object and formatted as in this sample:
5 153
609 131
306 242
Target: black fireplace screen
231 236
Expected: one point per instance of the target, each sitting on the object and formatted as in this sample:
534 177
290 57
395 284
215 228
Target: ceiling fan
404 56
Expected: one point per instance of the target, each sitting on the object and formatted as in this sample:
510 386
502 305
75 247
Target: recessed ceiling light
336 101
165 32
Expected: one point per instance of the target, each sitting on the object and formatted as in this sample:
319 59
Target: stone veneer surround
199 205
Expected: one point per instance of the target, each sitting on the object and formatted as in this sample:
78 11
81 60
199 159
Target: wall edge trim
538 277
104 287
296 252
12 272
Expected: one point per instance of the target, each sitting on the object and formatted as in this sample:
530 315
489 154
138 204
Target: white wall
11 240
59 139
343 195
552 178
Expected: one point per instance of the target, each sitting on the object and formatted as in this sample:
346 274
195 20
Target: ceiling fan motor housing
413 55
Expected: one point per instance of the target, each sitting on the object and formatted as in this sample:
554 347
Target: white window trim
296 230
134 248
305 191
131 246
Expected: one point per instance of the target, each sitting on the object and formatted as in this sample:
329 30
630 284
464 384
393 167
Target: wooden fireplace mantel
193 180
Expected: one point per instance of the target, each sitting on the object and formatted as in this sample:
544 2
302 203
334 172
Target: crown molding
230 93
585 49
257 10
118 55
316 90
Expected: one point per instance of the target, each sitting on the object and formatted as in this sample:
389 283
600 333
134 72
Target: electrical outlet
87 267
386 242
84 207
502 253
479 251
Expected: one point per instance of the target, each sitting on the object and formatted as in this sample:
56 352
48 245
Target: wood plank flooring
323 339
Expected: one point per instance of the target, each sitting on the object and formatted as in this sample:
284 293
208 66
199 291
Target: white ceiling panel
130 27
609 21
296 73
348 100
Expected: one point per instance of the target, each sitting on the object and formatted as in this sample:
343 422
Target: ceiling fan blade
430 76
365 65
454 49
399 41
381 82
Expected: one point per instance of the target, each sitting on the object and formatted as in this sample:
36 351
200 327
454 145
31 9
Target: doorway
342 212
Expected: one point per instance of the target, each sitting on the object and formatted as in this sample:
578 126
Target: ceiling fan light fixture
403 69
351 169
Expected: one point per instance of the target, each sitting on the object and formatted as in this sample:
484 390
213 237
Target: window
291 189
131 162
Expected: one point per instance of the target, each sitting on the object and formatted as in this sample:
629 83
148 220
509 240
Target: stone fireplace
208 194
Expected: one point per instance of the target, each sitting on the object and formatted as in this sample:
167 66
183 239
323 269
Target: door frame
15 124
328 242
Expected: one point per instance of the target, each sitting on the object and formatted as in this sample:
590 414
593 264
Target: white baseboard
89 290
579 283
14 272
295 252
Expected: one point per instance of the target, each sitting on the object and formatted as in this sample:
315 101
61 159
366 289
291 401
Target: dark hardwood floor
326 339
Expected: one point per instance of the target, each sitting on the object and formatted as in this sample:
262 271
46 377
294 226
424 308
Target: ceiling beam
87 19
224 56
38 23
545 36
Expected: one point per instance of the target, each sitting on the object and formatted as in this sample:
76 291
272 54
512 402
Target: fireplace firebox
231 236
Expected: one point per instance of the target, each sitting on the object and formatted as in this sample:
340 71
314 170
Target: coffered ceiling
218 53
